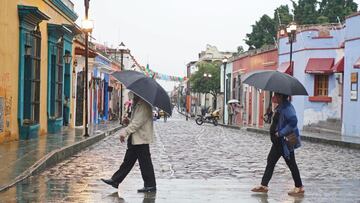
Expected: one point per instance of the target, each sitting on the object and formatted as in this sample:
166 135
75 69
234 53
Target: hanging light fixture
67 58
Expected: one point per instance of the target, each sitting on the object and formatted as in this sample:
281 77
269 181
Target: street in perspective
179 101
196 164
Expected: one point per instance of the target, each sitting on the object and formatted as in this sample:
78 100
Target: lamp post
87 26
206 76
224 64
122 48
291 31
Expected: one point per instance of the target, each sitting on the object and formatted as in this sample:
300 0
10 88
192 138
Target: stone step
320 130
327 125
333 120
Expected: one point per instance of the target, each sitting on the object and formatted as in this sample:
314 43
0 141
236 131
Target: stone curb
59 155
344 144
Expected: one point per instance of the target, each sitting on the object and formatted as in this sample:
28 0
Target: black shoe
110 182
147 189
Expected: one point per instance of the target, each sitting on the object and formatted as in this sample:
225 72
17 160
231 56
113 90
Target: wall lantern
67 58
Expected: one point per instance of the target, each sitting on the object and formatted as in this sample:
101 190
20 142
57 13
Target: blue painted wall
303 49
55 32
351 123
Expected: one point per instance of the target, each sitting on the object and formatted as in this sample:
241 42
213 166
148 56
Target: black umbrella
146 88
275 81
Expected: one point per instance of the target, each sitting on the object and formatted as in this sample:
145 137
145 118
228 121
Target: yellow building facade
35 72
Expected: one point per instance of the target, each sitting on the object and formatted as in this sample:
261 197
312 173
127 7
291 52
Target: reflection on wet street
196 164
22 154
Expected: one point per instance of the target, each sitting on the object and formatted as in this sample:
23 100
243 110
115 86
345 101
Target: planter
54 125
29 131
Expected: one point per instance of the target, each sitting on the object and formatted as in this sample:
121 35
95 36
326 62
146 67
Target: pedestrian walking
230 114
282 129
139 134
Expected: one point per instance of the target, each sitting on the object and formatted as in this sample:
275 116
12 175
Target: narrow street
196 164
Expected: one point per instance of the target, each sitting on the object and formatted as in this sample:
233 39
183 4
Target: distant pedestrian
230 114
283 124
139 134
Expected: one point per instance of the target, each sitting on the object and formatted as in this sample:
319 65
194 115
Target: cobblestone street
197 164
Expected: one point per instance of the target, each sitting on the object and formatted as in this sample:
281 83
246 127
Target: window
321 85
240 90
234 89
31 103
59 80
228 80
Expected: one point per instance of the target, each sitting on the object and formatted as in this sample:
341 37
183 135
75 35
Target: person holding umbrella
139 134
283 130
284 122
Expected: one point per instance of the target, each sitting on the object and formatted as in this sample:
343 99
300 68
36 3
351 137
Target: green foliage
263 33
322 20
240 49
305 11
200 84
334 9
283 12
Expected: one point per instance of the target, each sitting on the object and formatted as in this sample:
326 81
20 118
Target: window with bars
321 85
59 80
31 103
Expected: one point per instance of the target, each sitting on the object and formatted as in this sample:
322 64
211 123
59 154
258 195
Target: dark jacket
273 128
287 124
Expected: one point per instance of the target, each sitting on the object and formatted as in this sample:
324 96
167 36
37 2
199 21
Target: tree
240 49
335 10
282 16
200 84
263 33
305 11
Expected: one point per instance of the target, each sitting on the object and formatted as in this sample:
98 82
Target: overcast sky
168 34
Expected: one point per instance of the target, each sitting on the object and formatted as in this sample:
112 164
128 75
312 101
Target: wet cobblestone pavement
196 164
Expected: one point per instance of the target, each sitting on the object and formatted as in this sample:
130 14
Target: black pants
142 154
274 155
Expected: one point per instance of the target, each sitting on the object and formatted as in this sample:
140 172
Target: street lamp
87 27
122 48
67 58
291 31
224 64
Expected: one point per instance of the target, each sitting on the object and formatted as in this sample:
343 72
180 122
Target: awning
320 65
285 68
339 66
357 63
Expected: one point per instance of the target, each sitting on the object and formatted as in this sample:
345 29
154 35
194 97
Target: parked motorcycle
208 118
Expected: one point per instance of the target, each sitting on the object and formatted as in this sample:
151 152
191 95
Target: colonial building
351 101
318 63
78 81
36 70
253 102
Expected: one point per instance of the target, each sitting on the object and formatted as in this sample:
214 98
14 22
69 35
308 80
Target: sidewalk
342 141
25 157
